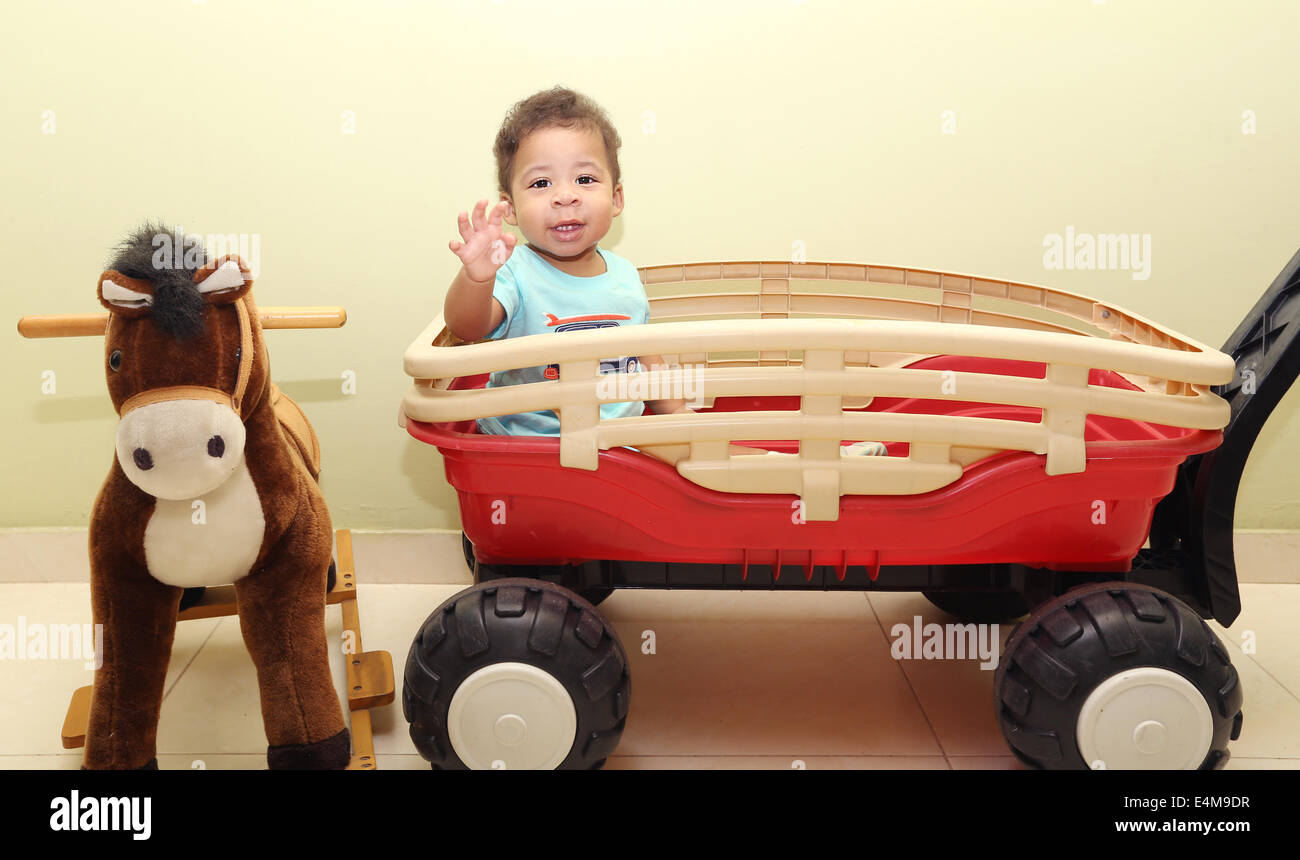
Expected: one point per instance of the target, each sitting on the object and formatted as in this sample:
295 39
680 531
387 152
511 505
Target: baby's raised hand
486 244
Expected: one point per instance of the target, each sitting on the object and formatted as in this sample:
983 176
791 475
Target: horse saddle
296 426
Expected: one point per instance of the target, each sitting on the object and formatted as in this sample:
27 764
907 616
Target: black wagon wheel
467 548
1117 676
985 607
516 673
593 594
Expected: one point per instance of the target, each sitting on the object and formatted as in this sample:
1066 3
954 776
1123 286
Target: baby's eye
536 185
584 176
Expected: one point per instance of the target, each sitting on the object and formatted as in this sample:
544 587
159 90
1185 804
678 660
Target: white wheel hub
1145 719
513 716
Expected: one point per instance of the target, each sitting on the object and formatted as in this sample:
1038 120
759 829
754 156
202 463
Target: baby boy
557 168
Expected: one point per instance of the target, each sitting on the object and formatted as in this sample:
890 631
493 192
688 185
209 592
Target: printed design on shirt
626 364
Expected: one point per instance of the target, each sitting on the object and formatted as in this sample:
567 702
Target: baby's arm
666 407
661 407
469 310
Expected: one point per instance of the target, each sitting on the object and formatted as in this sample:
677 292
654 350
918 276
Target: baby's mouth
568 229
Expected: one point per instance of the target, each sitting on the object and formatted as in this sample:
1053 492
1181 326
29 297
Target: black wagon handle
1192 527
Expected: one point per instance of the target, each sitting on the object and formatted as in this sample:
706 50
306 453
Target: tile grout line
1271 677
1254 659
775 756
193 657
920 706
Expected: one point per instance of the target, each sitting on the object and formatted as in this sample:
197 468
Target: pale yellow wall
773 122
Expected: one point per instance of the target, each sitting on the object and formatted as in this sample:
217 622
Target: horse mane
177 306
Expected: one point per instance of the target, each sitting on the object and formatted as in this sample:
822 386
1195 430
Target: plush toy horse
188 375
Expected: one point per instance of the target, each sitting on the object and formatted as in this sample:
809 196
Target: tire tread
564 636
1127 626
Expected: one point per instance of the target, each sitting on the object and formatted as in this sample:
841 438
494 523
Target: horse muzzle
180 443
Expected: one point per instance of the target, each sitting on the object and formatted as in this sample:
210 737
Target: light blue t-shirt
539 298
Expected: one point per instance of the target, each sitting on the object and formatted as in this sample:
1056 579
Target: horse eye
115 361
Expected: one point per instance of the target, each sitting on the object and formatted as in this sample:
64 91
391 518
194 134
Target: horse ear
126 297
224 280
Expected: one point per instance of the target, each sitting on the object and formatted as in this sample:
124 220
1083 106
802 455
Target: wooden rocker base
369 673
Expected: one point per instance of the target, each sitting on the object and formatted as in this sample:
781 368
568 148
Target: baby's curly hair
556 107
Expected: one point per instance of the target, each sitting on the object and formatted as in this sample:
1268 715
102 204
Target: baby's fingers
494 217
479 221
462 224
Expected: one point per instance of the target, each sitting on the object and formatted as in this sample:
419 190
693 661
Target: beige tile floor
737 680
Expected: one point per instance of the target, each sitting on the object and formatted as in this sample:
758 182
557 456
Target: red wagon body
519 505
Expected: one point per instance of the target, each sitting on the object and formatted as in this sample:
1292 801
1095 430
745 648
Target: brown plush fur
281 600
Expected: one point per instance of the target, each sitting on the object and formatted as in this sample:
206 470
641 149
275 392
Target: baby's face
562 177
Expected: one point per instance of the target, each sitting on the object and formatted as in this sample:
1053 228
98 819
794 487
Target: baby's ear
509 215
223 280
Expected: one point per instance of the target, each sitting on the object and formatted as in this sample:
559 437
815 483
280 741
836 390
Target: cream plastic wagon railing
835 335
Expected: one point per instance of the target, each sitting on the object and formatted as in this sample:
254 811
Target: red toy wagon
1035 439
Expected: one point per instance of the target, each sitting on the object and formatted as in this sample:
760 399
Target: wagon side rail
828 363
787 290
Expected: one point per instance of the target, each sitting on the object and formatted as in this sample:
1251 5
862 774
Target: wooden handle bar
81 325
